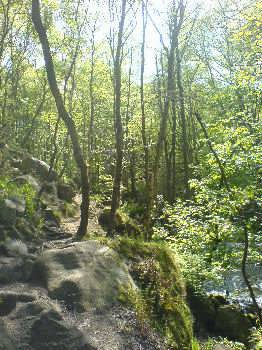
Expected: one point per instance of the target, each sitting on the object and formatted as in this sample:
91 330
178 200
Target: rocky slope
57 294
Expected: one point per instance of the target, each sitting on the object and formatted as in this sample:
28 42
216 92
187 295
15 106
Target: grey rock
84 275
19 204
10 208
6 342
27 180
222 347
16 247
7 212
15 268
39 168
7 303
50 332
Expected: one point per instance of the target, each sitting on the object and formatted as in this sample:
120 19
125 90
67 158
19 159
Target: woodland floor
70 224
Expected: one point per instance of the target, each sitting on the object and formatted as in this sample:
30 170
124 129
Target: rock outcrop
84 275
215 315
15 268
38 325
31 165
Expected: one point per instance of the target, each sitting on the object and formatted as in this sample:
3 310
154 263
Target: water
234 286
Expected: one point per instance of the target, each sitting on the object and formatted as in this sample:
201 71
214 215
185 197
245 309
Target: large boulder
38 325
84 275
50 332
14 269
161 295
8 301
31 165
204 310
216 315
232 323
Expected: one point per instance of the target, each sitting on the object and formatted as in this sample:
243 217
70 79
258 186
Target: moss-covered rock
121 223
160 299
214 314
233 324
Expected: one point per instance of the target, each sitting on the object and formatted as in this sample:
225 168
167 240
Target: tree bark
182 114
64 115
115 202
92 102
142 100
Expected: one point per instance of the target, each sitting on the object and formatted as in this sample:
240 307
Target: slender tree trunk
246 238
142 100
164 114
173 150
168 182
245 276
132 170
129 140
91 93
183 119
209 143
117 114
64 115
92 109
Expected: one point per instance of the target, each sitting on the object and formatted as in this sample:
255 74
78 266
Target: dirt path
70 224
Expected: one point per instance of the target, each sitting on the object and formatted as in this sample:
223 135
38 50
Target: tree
64 115
117 81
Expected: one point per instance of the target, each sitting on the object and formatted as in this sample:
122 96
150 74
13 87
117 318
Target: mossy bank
160 299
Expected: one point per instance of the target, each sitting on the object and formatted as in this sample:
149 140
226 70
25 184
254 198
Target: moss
160 298
122 224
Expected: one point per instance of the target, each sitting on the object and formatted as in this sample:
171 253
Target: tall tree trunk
183 119
245 276
117 114
164 112
142 100
92 109
64 115
129 144
173 191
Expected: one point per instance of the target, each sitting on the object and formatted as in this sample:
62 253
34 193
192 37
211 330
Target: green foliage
103 188
26 192
257 339
220 69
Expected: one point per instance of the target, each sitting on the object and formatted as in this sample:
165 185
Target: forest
132 125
